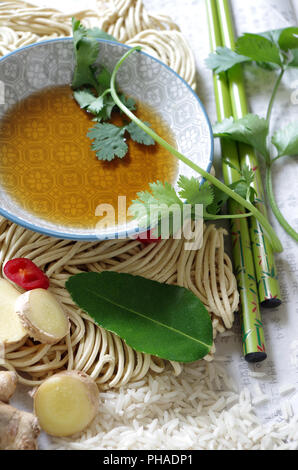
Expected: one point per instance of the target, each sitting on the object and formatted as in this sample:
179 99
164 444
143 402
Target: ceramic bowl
143 77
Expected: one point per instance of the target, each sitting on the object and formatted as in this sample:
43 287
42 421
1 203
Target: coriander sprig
273 50
276 244
91 84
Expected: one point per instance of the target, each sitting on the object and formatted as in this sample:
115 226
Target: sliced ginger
42 316
66 403
11 328
19 430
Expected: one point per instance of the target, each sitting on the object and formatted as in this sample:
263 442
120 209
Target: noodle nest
207 272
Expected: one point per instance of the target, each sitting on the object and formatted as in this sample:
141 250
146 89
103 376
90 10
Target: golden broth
48 167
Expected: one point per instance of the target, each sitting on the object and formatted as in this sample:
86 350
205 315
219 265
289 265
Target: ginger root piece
66 403
18 429
11 329
8 384
42 316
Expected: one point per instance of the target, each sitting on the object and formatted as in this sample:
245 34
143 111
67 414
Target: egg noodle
208 272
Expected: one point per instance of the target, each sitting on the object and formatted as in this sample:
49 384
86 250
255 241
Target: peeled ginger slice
42 316
11 328
66 403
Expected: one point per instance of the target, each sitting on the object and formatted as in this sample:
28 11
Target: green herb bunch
276 51
92 93
96 91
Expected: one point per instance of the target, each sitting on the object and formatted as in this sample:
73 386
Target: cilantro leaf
240 187
247 175
152 206
96 106
258 48
165 193
98 33
189 187
293 58
108 141
224 59
86 48
88 101
244 190
84 97
251 130
219 199
104 79
288 38
128 102
138 135
243 186
193 193
286 140
105 113
86 51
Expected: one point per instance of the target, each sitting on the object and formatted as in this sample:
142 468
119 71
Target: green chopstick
266 272
252 330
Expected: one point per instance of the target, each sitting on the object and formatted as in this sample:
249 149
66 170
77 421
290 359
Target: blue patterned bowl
143 77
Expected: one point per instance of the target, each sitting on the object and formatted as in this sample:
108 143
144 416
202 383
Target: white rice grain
198 411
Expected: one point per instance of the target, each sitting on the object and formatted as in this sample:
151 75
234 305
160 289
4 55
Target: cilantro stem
228 216
275 207
275 242
274 93
269 186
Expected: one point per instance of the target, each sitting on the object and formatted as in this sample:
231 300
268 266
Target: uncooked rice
199 410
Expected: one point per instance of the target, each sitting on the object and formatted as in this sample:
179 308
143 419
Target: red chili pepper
147 238
26 274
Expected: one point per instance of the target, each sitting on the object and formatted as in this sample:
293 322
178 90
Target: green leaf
165 193
288 38
98 33
152 206
224 59
240 187
104 79
293 58
108 141
247 174
84 97
258 48
86 53
159 319
105 113
220 198
193 193
286 140
138 135
128 102
86 49
96 106
251 130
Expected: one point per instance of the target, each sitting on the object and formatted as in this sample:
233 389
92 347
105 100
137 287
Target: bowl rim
94 236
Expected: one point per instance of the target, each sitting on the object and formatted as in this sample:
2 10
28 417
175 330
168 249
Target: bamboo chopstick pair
253 257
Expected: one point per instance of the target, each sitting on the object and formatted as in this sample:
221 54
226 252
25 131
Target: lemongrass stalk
253 339
276 244
266 271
